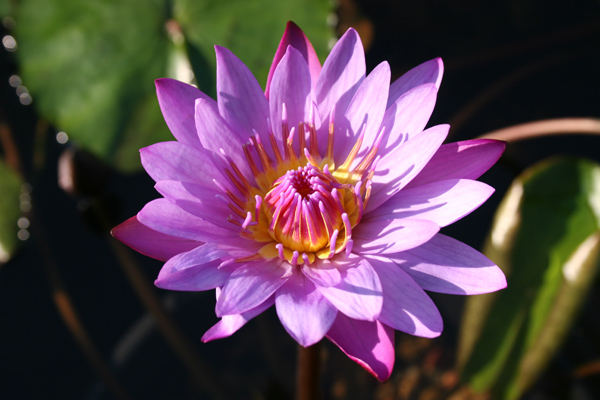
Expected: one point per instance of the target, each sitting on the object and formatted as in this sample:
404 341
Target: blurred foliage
90 65
10 188
546 237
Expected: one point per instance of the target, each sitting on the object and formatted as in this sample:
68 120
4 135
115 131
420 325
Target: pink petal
240 97
370 344
250 285
429 72
163 216
293 36
442 202
390 236
399 167
460 160
197 200
446 265
367 108
406 307
178 162
229 324
218 136
291 86
342 73
176 100
358 295
407 117
150 242
322 273
195 270
305 314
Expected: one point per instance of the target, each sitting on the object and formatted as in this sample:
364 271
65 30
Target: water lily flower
323 195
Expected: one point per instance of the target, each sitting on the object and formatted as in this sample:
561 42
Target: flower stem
560 126
307 374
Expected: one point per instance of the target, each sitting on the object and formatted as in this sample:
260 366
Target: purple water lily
323 196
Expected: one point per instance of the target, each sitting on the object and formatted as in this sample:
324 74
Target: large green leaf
10 189
546 238
90 65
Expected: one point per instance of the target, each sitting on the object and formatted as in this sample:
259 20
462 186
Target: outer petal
240 98
390 236
367 108
303 311
342 74
370 344
229 324
250 285
407 117
441 202
406 306
446 265
179 162
291 86
195 270
197 200
293 36
150 242
163 216
463 160
429 72
176 100
359 294
399 167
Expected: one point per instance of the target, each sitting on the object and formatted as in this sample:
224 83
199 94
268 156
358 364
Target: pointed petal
291 86
358 295
218 136
176 100
163 216
195 270
429 72
229 324
399 167
442 202
150 242
367 107
461 160
240 98
303 311
197 200
406 307
446 265
370 344
407 117
293 36
250 285
179 162
390 236
342 73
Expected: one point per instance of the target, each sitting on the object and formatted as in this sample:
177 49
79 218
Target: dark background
507 62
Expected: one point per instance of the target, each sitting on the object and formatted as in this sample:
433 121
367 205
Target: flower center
304 209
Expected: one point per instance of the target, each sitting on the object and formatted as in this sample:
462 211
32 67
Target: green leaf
91 65
10 189
251 29
545 237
